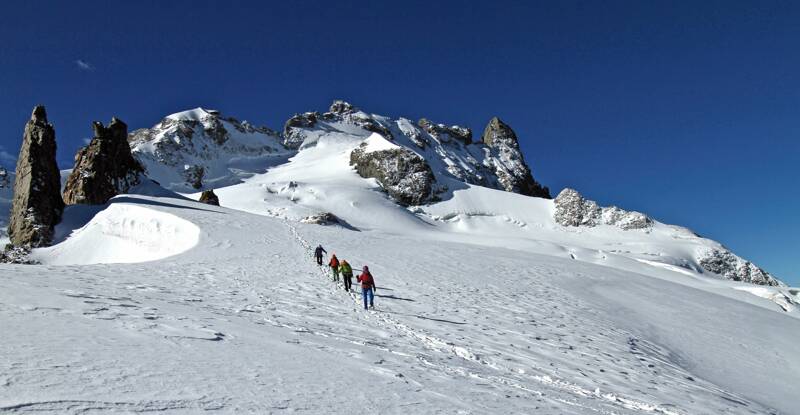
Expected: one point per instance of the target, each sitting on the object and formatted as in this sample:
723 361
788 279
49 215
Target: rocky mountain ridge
573 210
448 151
413 163
201 149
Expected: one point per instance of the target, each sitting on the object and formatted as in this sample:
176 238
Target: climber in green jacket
347 274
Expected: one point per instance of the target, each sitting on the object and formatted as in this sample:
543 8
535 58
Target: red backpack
366 280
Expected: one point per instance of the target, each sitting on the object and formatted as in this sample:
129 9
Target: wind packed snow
123 233
195 114
157 303
376 142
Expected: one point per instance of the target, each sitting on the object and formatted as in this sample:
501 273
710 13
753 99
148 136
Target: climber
318 254
347 274
334 264
367 287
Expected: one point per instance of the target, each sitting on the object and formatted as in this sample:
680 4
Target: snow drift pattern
123 233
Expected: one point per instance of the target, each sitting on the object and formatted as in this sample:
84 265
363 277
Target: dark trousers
319 259
348 282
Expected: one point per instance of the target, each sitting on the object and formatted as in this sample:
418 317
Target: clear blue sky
689 111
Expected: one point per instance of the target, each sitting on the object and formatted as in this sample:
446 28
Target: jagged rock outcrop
507 162
449 149
403 174
37 205
293 129
209 197
732 267
324 218
572 209
16 255
104 168
446 133
340 107
345 112
201 148
194 175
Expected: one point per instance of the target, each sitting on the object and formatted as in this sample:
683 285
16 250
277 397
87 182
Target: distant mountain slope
441 178
200 149
324 147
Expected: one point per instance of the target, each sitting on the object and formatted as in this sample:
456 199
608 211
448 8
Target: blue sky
688 111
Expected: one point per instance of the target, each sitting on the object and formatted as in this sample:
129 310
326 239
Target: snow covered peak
195 114
449 150
425 165
201 149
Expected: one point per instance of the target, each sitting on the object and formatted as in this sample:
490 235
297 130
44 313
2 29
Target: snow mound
123 233
195 114
377 142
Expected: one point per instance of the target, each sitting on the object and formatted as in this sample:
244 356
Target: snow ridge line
80 406
439 345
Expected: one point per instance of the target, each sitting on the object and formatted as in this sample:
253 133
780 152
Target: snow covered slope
244 321
487 301
199 149
320 179
463 177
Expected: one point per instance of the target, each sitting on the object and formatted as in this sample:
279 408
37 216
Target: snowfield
157 303
245 321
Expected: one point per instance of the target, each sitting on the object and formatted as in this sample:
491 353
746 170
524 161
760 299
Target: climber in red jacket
334 264
367 287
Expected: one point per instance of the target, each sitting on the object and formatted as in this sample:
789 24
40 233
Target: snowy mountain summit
200 148
448 152
422 166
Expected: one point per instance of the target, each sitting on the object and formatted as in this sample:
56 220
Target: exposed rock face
340 107
293 134
194 175
368 123
209 197
512 172
324 218
345 112
732 267
445 133
16 255
405 176
104 168
625 219
572 209
37 205
201 148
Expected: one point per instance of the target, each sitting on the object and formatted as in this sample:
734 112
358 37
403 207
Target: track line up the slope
441 346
